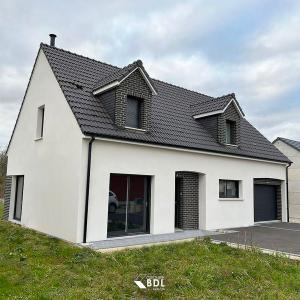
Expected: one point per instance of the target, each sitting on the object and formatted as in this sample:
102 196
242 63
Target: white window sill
137 129
231 145
38 139
231 199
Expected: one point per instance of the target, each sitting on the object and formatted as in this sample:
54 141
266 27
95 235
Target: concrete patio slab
147 239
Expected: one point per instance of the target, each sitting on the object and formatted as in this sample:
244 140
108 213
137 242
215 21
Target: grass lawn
34 266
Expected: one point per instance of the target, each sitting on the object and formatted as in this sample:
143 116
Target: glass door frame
147 205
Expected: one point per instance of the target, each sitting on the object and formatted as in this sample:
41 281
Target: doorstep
148 239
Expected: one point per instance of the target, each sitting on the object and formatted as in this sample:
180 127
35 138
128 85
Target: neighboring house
291 149
100 151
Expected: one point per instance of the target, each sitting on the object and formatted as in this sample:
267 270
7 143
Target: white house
292 150
100 151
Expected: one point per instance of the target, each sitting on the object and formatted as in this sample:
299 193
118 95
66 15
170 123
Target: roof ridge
120 68
212 99
183 88
80 55
290 139
120 73
201 102
283 138
226 95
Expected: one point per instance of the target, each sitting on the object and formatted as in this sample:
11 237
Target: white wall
52 166
294 179
114 157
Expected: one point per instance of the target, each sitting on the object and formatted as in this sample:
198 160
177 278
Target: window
18 197
40 122
230 131
133 115
228 188
128 204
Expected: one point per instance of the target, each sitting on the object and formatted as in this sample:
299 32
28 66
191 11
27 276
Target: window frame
16 195
237 187
232 126
139 115
40 122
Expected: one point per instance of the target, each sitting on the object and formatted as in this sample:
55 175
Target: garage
267 200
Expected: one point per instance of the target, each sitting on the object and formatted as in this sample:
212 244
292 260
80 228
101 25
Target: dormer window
230 132
133 113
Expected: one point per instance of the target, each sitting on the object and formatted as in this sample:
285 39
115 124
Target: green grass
34 266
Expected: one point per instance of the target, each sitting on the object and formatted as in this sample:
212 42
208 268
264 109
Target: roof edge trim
220 111
106 87
118 82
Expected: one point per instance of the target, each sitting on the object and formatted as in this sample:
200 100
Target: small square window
230 132
228 188
133 113
40 122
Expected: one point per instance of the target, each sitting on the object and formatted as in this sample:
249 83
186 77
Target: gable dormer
126 95
221 117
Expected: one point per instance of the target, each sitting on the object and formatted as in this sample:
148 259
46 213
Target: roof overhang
220 111
118 82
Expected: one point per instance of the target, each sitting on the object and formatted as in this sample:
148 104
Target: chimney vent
52 39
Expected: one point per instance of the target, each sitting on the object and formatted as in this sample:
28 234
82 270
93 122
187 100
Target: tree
3 165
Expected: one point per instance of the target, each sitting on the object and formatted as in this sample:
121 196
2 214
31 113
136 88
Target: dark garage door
265 204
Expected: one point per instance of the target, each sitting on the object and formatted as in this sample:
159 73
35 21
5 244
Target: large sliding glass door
128 205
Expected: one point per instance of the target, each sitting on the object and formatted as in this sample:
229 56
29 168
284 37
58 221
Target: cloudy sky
250 47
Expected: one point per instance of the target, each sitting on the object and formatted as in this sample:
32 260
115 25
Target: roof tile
172 123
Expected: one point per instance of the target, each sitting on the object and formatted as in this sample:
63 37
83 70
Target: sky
251 48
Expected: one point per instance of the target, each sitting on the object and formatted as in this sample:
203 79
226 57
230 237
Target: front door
128 205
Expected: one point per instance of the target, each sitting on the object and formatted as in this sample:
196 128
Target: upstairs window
228 188
230 132
133 114
40 122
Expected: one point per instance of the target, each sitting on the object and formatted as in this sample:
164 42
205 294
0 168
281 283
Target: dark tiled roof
211 105
292 143
172 123
120 74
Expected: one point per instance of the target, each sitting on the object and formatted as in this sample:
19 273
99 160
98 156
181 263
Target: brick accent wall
278 199
7 194
133 85
230 114
108 99
211 125
216 124
189 200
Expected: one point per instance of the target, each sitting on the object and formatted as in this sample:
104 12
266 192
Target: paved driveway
284 237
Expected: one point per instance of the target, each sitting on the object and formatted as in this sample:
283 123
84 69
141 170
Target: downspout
287 191
87 191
